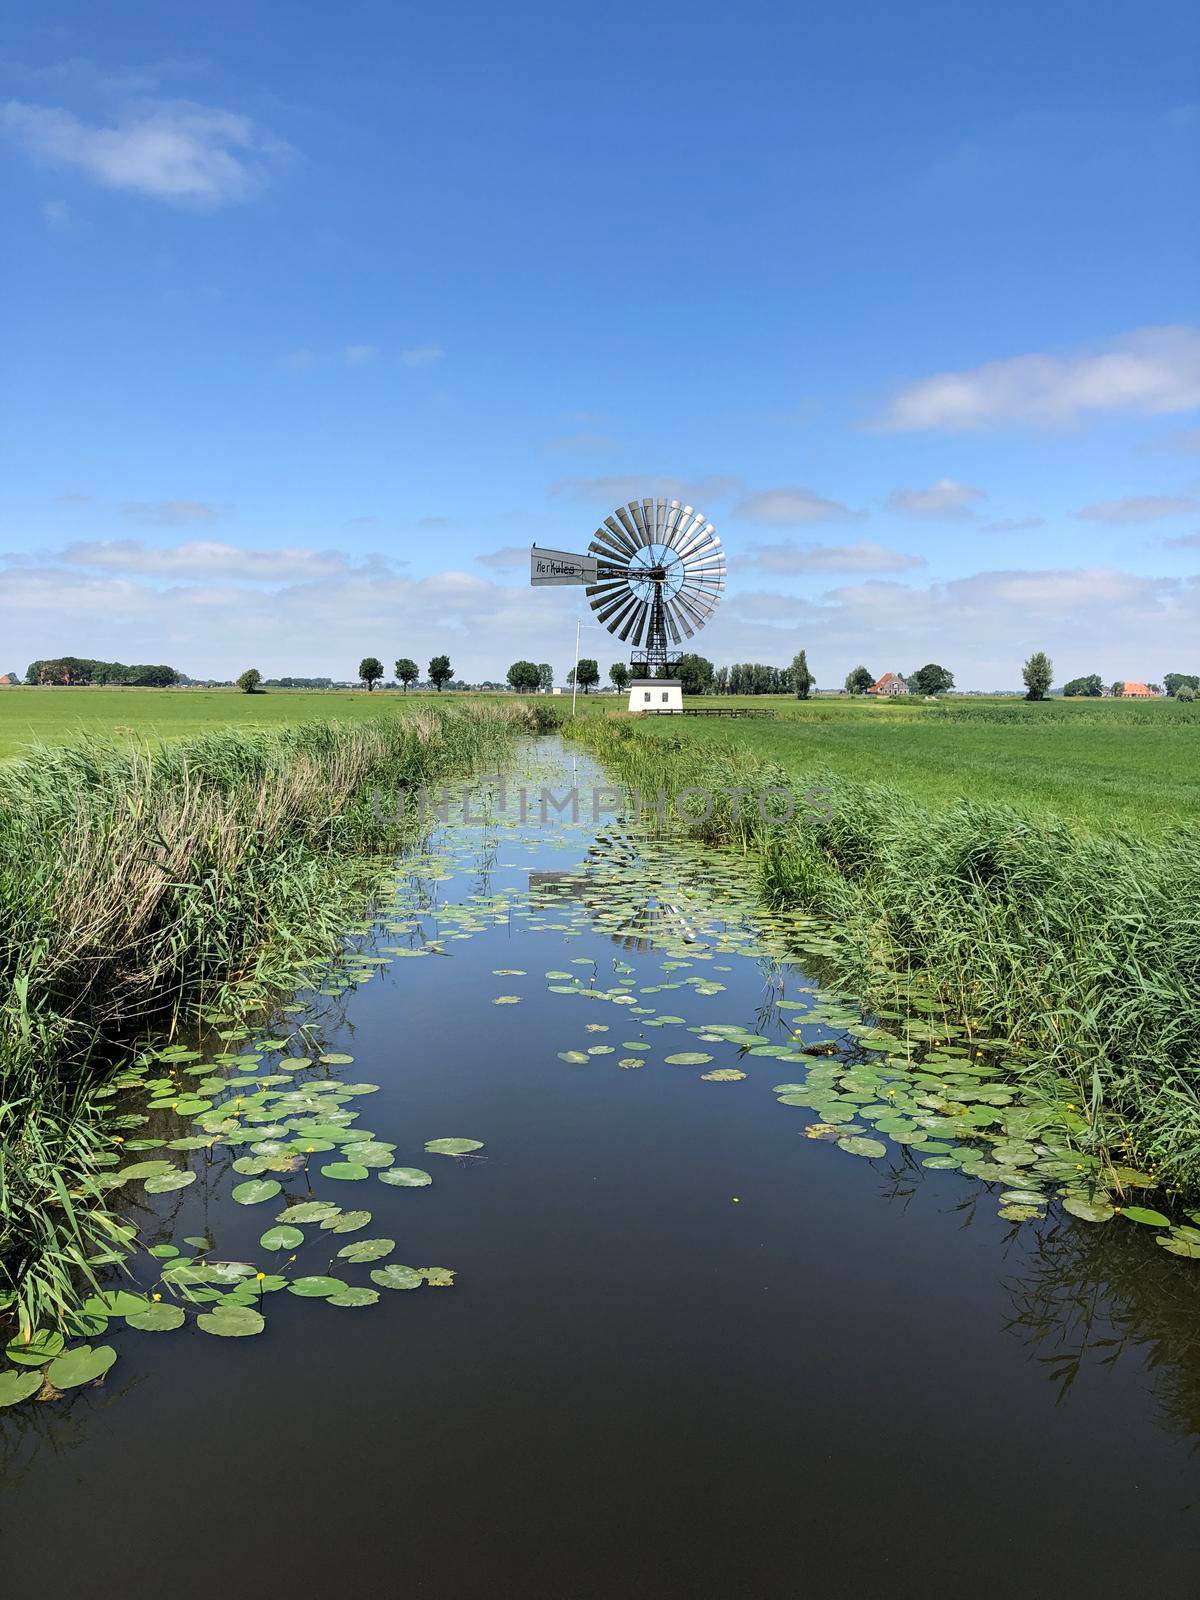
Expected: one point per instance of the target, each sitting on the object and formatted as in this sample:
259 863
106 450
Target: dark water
689 1353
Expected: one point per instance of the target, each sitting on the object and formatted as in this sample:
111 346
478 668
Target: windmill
653 574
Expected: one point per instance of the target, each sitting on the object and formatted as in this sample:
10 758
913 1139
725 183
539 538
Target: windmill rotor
653 573
660 572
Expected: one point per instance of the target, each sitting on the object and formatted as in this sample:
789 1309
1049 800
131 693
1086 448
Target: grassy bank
1080 947
1094 763
137 884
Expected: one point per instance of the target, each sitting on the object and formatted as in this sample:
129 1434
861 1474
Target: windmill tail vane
653 574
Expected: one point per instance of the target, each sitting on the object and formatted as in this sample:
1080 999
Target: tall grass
1081 949
137 884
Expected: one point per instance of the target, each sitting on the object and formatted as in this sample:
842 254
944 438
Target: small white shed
655 694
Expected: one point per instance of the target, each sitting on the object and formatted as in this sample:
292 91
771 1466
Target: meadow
1096 763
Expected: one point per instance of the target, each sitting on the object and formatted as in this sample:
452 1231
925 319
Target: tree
1091 686
695 674
407 671
1117 689
545 677
370 670
440 672
1185 693
523 676
859 681
249 681
1038 675
587 675
619 673
1174 681
1154 688
803 681
721 680
930 679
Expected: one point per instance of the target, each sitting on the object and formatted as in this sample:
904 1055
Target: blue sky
323 314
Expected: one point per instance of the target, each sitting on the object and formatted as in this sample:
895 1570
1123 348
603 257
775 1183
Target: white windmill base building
656 695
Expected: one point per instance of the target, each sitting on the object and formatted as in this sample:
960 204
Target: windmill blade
639 520
636 620
611 604
671 523
612 539
660 521
675 621
698 538
627 522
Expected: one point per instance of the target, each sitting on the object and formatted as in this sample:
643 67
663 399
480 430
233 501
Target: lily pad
231 1321
335 1060
82 1365
397 1277
722 1075
317 1288
18 1386
1143 1214
281 1237
309 1211
687 1058
406 1177
576 1058
367 1249
454 1147
257 1190
158 1317
41 1347
1088 1210
438 1277
857 1146
167 1181
346 1222
354 1297
346 1171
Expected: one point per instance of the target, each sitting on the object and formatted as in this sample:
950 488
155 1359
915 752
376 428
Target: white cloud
423 355
794 505
1185 541
203 558
1138 508
942 501
1149 372
359 355
173 150
865 556
509 559
168 513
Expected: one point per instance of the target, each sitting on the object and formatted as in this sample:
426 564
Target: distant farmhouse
1138 691
8 681
890 683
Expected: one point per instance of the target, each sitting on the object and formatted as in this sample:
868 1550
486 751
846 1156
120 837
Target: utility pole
575 674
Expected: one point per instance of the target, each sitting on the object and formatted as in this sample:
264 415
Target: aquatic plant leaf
575 1057
346 1222
406 1177
345 1171
82 1365
41 1347
158 1317
453 1147
309 1211
722 1075
231 1322
335 1060
317 1288
145 1169
856 1146
367 1249
167 1181
1088 1210
281 1237
257 1190
114 1303
354 1297
397 1277
1143 1214
18 1386
438 1277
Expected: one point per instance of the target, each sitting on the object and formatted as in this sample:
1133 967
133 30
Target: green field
1098 762
58 716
